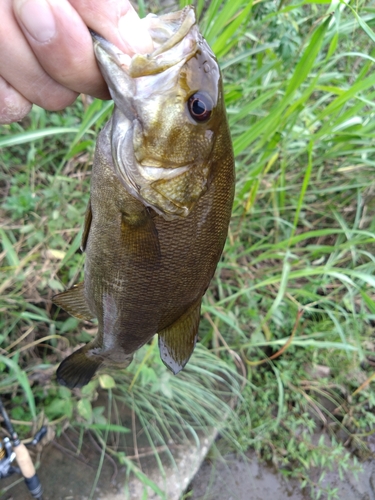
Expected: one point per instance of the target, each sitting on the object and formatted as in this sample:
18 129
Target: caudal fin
78 369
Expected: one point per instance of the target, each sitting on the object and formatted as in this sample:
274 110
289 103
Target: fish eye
200 107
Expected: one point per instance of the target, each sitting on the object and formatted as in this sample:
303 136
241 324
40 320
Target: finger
62 44
20 68
118 22
13 106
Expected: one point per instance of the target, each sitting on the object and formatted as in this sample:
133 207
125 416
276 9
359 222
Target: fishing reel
11 448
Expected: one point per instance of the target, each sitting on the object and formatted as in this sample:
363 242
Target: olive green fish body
157 219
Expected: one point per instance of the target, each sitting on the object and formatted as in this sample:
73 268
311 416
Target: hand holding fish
46 53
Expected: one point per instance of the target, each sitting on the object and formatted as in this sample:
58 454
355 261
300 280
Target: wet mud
69 471
233 478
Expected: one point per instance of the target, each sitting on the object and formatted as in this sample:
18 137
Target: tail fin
78 369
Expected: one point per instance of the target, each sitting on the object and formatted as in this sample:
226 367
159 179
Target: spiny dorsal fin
74 302
86 226
78 369
177 342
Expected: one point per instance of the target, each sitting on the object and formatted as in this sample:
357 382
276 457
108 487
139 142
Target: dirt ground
67 477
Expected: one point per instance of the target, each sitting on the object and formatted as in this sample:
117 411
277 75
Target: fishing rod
11 448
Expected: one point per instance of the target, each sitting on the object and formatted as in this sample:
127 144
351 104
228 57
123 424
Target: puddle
237 479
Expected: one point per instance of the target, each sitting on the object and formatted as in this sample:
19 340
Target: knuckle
13 114
13 106
51 95
59 101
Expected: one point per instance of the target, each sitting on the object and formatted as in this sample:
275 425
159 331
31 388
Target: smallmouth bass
160 201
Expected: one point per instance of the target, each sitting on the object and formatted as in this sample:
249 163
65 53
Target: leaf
107 427
84 408
74 246
51 253
369 301
147 481
58 408
305 184
69 325
305 64
90 388
22 379
106 381
95 114
366 28
34 135
269 124
10 253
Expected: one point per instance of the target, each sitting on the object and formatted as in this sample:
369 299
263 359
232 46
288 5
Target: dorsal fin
177 342
74 302
86 226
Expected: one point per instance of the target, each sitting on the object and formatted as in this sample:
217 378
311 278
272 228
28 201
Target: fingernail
134 33
37 18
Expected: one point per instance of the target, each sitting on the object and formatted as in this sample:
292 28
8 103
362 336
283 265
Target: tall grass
293 296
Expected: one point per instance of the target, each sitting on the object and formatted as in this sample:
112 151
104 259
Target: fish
161 196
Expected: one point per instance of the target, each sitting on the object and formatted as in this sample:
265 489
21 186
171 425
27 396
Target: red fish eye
200 107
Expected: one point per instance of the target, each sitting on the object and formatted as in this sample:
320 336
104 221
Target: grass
293 296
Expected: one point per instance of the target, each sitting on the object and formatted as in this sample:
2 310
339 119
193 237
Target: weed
293 296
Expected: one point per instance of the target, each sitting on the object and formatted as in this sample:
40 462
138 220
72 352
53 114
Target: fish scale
153 243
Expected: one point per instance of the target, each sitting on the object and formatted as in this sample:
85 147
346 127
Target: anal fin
74 302
78 369
177 341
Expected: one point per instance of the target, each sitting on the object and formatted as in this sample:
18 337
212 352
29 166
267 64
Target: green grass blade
305 184
8 248
26 137
23 381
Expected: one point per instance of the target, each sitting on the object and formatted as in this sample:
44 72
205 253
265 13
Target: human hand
46 51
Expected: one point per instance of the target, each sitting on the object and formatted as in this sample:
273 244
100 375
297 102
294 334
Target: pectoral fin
141 240
177 342
78 369
73 301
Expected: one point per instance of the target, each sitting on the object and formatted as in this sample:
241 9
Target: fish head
168 110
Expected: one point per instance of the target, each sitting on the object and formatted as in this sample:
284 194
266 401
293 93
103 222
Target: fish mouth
105 52
171 31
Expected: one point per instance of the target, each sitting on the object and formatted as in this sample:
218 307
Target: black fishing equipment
12 448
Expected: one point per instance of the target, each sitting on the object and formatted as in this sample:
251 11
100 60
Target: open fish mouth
167 32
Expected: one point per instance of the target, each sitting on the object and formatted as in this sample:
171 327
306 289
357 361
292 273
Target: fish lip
95 35
101 44
140 65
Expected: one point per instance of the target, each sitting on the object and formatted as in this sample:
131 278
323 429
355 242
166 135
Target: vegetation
293 296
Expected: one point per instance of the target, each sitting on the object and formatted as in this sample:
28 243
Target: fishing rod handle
24 461
28 470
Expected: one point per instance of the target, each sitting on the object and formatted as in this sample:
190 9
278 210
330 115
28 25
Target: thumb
116 21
